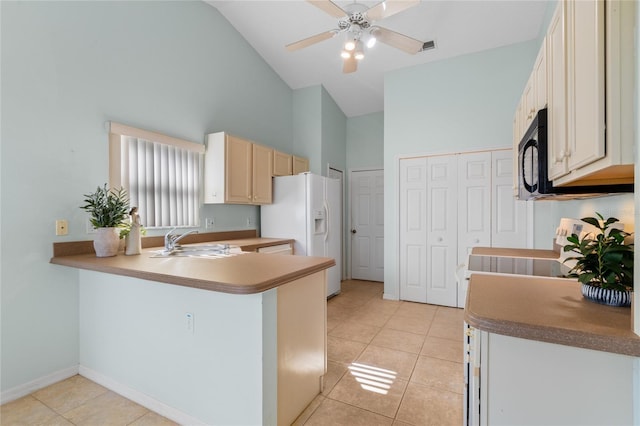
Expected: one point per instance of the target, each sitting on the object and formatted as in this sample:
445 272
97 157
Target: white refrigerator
308 208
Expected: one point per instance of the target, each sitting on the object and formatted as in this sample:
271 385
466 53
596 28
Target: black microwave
533 181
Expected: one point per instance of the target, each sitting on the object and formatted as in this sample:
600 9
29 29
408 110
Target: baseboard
37 384
140 398
386 296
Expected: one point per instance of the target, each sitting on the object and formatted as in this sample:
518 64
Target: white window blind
161 179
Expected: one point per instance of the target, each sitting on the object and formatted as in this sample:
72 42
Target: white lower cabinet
529 382
448 205
278 249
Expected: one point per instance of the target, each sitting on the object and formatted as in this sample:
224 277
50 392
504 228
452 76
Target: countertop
244 273
548 310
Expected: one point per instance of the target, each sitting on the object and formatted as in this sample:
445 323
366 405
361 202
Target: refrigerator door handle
326 212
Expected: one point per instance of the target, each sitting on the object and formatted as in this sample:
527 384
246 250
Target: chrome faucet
170 239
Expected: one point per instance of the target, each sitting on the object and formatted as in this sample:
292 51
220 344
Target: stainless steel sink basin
210 251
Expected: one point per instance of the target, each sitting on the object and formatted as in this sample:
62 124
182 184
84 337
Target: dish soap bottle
133 241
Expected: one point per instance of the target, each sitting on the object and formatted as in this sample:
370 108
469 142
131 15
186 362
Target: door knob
353 231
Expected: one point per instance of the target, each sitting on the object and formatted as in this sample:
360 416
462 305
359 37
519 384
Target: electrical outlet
209 222
248 221
62 227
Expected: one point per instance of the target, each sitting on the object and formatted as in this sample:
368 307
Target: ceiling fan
356 20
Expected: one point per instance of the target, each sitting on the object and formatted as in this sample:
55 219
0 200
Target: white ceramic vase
106 242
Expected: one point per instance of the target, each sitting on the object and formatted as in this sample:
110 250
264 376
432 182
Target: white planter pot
107 242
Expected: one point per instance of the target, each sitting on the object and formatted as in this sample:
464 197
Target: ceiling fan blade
387 8
300 44
397 40
329 7
350 65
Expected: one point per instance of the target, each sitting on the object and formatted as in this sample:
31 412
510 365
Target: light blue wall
334 134
448 106
319 129
365 141
307 125
67 67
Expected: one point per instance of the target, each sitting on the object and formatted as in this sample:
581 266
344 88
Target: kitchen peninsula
545 355
230 340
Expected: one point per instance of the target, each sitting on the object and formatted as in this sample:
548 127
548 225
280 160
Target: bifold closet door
442 226
413 229
474 202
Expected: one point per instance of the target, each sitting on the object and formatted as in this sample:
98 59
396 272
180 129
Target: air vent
428 45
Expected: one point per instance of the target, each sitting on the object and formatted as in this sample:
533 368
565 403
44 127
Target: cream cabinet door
529 102
300 165
282 164
238 161
585 82
540 78
262 173
556 96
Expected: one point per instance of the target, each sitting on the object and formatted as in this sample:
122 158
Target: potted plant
109 210
604 262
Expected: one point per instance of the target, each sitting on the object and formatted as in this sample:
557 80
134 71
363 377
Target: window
161 174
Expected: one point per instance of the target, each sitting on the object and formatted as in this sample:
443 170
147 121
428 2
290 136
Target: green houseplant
603 262
109 210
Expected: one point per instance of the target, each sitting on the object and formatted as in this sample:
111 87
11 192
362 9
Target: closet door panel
413 229
509 215
442 199
474 202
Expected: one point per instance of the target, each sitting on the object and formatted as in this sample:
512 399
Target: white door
474 202
509 215
442 219
339 175
413 229
367 225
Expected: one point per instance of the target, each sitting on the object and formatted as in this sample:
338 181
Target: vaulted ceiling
458 27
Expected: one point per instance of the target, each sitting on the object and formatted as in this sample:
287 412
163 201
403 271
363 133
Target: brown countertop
548 310
244 273
515 252
247 240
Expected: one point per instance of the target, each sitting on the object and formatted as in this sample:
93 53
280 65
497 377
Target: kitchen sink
210 251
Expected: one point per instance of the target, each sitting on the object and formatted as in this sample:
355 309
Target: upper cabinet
262 187
556 88
236 171
300 165
590 105
282 164
583 107
534 98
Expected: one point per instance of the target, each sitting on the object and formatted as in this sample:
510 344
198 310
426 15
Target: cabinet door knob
477 240
353 231
439 239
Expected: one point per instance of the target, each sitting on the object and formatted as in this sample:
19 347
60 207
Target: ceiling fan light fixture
370 41
349 45
345 54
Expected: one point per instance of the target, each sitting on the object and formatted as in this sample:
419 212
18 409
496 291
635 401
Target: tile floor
390 363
